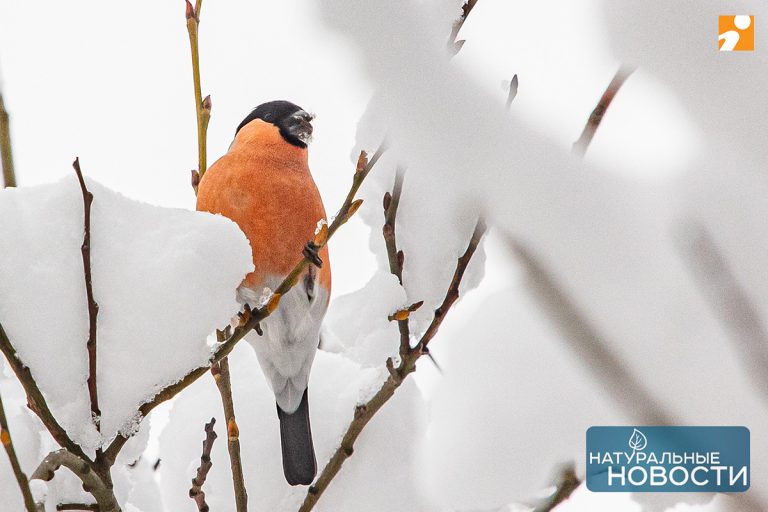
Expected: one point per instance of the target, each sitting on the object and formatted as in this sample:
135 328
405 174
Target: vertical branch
220 372
21 478
6 153
93 307
396 257
196 491
596 117
202 106
220 369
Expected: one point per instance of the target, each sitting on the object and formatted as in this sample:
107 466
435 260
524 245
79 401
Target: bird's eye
267 117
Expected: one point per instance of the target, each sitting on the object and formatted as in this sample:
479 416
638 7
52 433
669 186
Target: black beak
300 126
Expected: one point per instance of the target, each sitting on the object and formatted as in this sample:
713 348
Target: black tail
299 464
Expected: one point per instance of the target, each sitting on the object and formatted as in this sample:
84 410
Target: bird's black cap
292 120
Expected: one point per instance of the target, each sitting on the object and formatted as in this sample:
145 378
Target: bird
263 183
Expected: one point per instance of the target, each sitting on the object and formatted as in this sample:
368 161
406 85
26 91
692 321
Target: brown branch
92 482
202 106
6 152
365 412
220 372
93 307
453 45
453 289
21 478
567 483
347 210
396 257
596 117
35 398
78 506
196 491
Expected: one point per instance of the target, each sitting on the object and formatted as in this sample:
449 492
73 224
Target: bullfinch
263 183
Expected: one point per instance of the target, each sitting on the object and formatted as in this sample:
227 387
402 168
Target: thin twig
396 257
566 484
6 152
21 478
221 375
93 307
596 117
202 106
35 398
92 482
365 412
453 45
196 491
347 210
94 507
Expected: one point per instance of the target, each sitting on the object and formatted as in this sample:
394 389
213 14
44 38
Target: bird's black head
292 120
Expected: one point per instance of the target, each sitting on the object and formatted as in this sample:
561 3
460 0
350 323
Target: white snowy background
681 146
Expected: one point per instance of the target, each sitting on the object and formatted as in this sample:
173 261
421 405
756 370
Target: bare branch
6 152
220 372
396 257
202 106
348 208
92 482
196 491
93 307
365 412
453 290
596 117
21 478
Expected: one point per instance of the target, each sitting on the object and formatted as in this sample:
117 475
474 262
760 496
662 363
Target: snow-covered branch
93 483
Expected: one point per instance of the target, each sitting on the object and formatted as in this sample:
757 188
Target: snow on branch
98 486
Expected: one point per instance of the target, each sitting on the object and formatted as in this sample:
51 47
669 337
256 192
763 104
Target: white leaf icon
637 440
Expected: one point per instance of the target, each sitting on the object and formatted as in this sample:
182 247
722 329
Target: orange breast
264 185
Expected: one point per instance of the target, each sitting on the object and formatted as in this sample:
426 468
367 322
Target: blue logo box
668 459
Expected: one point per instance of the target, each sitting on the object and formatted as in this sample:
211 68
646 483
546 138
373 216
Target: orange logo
736 33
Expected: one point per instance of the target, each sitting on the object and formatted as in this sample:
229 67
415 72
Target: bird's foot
311 253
